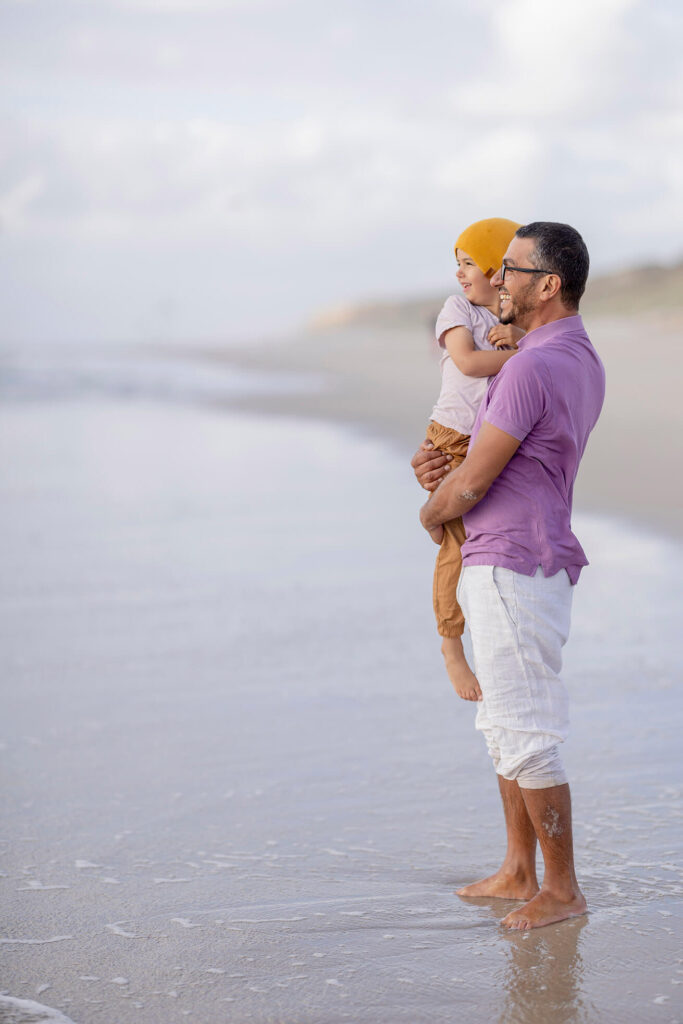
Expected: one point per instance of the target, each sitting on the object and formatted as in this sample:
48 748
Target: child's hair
486 241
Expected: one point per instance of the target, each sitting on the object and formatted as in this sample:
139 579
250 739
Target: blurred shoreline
380 375
373 368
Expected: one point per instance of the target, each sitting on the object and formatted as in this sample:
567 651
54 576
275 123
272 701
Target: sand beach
237 785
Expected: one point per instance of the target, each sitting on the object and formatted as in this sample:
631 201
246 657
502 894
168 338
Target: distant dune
624 292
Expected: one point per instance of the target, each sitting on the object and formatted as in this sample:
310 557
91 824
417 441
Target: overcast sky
205 170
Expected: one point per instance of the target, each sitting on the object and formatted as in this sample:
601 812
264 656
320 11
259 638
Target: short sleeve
456 312
518 397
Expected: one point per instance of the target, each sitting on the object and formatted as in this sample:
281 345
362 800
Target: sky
215 170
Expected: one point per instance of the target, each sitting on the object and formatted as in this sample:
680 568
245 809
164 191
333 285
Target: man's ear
550 287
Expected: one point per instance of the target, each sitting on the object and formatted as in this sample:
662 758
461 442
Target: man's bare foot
459 672
545 908
504 885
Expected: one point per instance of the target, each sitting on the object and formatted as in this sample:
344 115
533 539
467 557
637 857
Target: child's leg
459 672
449 616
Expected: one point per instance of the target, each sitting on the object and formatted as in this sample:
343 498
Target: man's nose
496 280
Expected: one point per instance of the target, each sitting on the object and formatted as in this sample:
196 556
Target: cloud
16 201
499 166
191 6
550 60
269 135
304 178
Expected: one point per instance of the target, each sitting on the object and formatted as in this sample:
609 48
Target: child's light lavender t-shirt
461 396
549 398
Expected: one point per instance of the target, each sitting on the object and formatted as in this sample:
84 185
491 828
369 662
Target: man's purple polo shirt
549 397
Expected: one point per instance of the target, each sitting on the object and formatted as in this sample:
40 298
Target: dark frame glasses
522 270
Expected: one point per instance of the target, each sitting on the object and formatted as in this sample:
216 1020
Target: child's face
473 281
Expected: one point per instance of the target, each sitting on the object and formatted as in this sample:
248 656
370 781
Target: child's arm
470 360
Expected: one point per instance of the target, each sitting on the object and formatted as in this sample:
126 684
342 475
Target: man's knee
539 770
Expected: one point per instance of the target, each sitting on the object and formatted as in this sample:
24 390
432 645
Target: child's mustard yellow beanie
486 241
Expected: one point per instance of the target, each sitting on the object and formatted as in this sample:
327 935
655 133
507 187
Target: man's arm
467 484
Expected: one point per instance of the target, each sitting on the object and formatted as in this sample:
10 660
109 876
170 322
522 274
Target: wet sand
238 786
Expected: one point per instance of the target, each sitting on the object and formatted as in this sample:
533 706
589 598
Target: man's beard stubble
521 307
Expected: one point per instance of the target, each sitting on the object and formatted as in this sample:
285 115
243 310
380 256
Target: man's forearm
455 496
467 484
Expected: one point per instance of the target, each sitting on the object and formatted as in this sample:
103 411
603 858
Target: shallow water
61 372
238 786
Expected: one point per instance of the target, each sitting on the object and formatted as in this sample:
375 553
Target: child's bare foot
459 672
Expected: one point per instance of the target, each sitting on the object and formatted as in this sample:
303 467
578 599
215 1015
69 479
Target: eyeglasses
522 270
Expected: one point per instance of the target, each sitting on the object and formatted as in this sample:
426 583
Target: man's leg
550 813
516 877
519 625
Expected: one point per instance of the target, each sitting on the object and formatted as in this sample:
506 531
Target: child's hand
505 336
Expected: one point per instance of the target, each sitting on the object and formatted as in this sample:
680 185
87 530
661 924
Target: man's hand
431 466
487 457
505 336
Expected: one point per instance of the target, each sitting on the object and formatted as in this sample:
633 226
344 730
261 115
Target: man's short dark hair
561 249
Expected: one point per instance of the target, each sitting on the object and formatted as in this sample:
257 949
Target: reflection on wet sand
544 975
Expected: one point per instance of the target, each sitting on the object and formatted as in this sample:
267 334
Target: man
521 560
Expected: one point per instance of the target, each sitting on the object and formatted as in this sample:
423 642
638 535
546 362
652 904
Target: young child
474 347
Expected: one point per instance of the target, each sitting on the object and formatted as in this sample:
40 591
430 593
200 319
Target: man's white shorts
518 626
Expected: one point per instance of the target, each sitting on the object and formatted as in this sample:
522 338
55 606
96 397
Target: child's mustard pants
449 617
